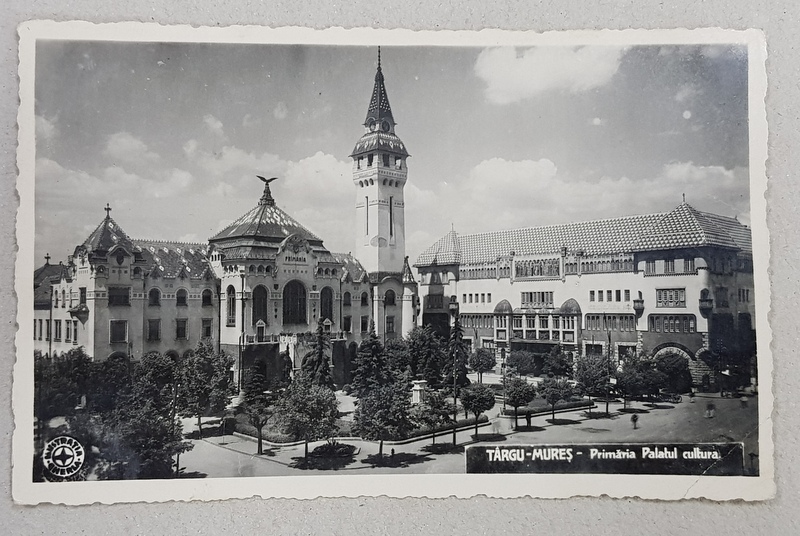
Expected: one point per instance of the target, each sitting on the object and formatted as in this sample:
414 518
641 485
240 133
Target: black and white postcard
300 263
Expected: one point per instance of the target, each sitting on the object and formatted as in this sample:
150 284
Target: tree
60 382
482 360
258 403
433 412
204 382
383 413
557 363
427 354
555 390
398 356
523 363
140 437
676 369
456 356
477 399
639 376
592 374
371 368
316 363
308 412
519 393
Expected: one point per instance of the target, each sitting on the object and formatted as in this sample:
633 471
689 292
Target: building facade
256 290
678 282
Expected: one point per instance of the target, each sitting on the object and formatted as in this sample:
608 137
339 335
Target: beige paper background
780 22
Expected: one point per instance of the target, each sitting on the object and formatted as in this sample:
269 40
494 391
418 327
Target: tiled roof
265 222
107 235
41 283
680 228
351 268
685 227
387 141
172 258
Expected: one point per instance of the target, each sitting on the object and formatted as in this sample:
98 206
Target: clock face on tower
385 126
372 126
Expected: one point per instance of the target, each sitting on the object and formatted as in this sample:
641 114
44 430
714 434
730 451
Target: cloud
46 128
511 76
126 148
231 161
190 148
280 111
214 126
250 121
500 194
596 122
686 92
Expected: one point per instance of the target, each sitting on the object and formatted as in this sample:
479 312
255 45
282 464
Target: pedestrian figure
391 456
635 420
709 406
712 409
528 419
743 401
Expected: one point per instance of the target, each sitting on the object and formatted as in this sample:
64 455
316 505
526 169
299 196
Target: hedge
417 432
546 408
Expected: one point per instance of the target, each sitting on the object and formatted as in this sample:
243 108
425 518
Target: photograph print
316 256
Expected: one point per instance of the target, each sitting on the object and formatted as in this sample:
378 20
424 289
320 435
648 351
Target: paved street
231 456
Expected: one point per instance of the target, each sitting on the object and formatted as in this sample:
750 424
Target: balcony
706 305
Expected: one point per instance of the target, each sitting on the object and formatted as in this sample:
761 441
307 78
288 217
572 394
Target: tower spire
379 108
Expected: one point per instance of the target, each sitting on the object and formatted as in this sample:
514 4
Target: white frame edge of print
334 483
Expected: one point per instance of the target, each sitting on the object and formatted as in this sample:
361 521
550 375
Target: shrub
334 449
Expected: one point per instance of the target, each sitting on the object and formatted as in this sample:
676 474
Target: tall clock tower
379 175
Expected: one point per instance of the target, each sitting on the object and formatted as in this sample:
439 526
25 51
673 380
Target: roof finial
684 197
379 57
108 211
47 258
266 197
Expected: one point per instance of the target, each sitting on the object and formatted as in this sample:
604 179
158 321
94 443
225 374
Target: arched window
364 299
207 297
294 303
182 298
260 304
346 299
154 297
326 303
231 306
389 297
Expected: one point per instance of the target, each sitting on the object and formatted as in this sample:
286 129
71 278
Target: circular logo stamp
63 456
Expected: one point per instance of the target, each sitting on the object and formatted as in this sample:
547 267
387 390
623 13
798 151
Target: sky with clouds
172 135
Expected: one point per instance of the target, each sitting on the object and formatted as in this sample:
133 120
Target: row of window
610 323
294 304
744 295
537 299
119 329
390 298
610 265
61 297
670 266
41 330
483 297
671 297
181 298
478 272
610 295
671 324
384 159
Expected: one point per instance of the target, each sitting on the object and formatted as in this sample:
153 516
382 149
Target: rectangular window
398 162
385 160
688 265
608 295
119 296
627 295
483 298
391 207
618 295
650 267
364 324
517 322
57 330
464 298
208 327
347 324
556 322
40 329
669 266
389 324
543 322
47 325
470 298
83 295
370 159
74 332
591 295
599 295
68 329
671 297
154 330
488 297
180 329
360 162
118 331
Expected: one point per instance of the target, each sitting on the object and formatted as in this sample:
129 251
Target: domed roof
503 308
570 307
